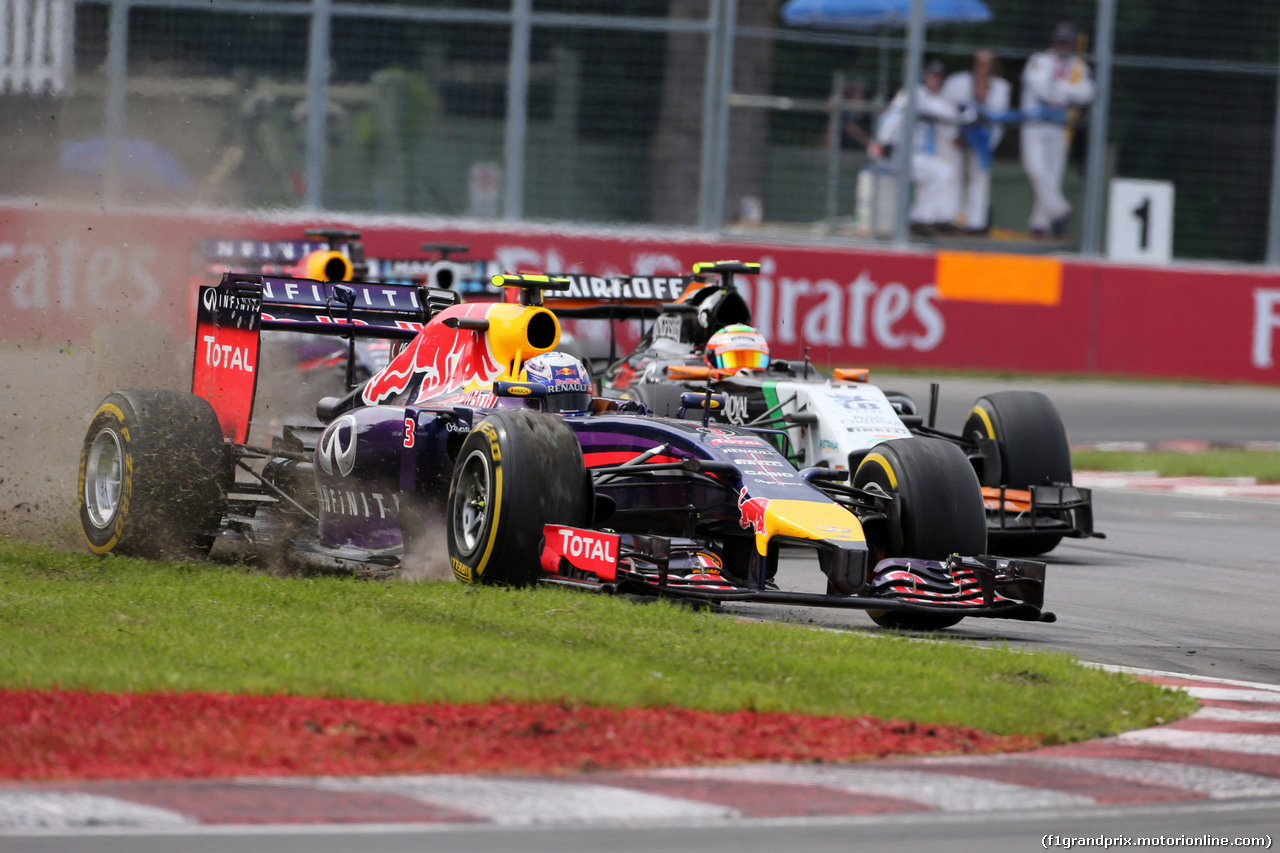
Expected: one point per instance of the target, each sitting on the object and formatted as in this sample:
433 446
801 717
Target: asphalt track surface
1181 584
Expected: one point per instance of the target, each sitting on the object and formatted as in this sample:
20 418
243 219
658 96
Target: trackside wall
66 273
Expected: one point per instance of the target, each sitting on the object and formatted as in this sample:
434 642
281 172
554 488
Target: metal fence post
318 47
835 140
517 108
710 96
117 90
905 144
715 120
1273 216
729 23
1096 170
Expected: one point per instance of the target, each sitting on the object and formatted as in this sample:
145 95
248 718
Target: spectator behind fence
933 171
1053 83
856 118
982 92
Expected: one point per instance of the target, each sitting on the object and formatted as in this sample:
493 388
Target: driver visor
738 359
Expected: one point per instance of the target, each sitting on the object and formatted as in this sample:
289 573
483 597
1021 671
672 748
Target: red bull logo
445 358
752 513
571 372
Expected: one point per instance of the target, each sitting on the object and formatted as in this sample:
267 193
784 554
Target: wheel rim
104 478
471 508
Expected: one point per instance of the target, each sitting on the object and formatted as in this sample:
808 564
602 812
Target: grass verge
1262 465
74 621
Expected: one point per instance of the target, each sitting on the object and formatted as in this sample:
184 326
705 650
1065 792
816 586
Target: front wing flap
604 562
1055 508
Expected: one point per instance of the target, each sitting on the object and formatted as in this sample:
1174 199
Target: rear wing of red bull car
231 315
335 254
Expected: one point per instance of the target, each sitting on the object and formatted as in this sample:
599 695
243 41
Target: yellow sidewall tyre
154 475
517 471
940 511
1034 450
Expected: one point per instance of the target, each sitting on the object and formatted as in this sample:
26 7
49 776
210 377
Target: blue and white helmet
567 380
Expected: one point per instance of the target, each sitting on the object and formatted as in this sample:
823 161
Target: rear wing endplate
231 315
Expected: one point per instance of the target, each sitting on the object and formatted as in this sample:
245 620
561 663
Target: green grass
1264 465
117 624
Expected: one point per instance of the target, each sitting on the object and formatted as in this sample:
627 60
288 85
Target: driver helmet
567 380
737 346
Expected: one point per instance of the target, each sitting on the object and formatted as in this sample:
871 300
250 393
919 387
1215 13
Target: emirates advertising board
66 270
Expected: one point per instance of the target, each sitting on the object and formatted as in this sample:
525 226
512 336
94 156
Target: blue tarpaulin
864 14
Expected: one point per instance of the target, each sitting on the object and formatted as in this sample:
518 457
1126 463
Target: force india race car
480 427
1015 440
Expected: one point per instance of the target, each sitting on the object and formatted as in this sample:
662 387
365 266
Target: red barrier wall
66 270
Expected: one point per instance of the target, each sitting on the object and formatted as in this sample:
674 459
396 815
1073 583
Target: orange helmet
737 346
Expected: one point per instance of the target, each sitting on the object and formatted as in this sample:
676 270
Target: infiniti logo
337 447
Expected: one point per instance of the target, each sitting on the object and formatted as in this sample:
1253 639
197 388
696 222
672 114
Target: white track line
1159 673
942 792
1209 781
1233 715
1220 741
530 801
1227 694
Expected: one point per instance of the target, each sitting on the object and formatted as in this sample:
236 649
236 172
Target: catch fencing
706 114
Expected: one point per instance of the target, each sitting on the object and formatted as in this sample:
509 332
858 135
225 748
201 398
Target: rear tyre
1033 448
154 475
517 471
940 512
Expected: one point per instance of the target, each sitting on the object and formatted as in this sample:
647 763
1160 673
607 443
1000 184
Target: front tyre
517 471
1032 442
154 475
939 512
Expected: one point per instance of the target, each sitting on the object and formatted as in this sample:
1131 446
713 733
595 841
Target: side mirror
851 374
688 371
698 400
327 409
708 402
527 390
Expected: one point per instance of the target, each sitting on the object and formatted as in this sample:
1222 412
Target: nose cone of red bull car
832 529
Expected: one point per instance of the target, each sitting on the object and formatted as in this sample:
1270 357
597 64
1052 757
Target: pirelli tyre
517 471
939 512
1032 443
154 474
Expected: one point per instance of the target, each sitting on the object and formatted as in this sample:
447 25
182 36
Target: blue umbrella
142 163
863 14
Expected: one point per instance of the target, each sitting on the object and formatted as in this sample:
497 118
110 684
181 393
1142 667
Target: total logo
226 355
336 450
575 544
586 550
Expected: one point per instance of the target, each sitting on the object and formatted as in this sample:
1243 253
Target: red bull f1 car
482 443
